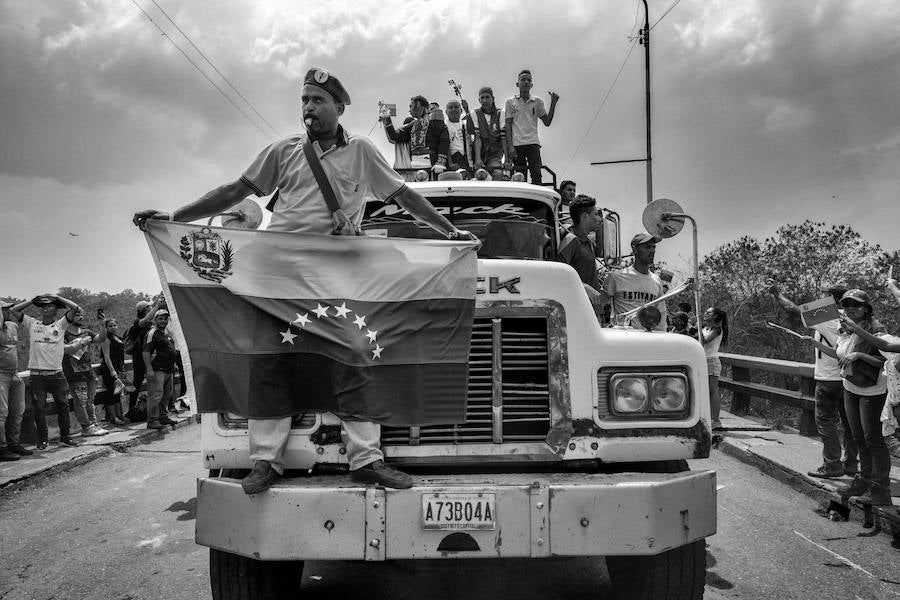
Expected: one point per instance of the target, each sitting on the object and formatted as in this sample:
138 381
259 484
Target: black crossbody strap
319 174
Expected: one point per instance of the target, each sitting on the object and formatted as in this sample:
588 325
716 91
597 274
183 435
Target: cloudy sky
764 112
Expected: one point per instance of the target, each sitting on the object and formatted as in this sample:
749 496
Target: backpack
130 339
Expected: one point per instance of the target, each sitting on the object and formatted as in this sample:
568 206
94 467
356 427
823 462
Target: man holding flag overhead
305 170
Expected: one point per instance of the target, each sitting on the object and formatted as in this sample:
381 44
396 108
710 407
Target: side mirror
649 317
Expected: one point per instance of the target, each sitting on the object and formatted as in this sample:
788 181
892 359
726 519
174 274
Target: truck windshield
507 228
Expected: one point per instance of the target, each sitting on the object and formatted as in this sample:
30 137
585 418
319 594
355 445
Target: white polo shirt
354 166
524 115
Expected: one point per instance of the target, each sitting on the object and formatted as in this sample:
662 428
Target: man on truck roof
358 173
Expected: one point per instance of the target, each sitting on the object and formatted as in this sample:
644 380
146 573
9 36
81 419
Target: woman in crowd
712 336
112 371
865 391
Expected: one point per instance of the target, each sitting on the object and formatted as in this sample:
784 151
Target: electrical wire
196 66
219 73
602 104
674 4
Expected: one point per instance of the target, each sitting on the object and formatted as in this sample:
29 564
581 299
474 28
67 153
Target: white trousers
269 438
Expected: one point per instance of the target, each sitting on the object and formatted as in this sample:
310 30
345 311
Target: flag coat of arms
280 323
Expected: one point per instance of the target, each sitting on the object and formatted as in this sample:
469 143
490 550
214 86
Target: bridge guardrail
744 388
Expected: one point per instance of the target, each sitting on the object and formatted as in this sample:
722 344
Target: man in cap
12 388
637 285
158 355
359 174
831 417
134 339
46 350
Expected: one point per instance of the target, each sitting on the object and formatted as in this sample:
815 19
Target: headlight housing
648 395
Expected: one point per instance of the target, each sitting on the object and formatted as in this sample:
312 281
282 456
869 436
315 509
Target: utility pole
645 40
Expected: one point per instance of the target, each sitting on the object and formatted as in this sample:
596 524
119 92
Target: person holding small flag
354 167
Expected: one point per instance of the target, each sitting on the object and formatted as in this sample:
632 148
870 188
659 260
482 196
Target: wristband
165 216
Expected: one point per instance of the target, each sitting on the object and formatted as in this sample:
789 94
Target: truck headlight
668 394
629 394
634 394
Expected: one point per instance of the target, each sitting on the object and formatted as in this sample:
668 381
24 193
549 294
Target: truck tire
679 574
234 577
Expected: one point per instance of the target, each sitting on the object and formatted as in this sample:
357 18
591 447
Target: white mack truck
575 440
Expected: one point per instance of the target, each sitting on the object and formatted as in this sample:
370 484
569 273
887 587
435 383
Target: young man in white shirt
829 394
47 347
635 286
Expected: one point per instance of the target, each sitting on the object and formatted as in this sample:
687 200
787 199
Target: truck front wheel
678 574
234 577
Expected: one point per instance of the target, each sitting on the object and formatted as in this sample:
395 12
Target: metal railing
799 392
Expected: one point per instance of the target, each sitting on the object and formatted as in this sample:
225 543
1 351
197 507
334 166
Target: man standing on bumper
357 172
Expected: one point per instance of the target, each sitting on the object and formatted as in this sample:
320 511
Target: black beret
328 82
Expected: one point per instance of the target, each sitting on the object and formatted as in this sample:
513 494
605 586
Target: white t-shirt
827 368
711 347
843 348
46 343
457 139
630 289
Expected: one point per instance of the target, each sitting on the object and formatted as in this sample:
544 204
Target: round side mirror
649 317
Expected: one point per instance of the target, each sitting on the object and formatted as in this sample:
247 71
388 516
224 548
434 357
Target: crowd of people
60 354
497 140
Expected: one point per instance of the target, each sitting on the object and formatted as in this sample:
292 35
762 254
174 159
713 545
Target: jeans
831 421
269 438
530 154
12 407
83 403
864 415
159 393
137 375
56 385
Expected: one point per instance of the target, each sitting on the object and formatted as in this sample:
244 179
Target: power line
674 4
219 73
196 66
602 104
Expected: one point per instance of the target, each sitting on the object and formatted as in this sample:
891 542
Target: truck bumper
537 515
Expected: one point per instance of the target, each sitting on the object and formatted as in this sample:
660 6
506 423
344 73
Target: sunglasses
852 304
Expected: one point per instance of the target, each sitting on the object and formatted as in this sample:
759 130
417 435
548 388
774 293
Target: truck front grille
508 392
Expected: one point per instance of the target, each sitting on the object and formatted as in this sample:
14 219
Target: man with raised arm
47 346
522 113
358 173
831 418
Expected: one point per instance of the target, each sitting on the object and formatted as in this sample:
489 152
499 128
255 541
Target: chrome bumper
538 515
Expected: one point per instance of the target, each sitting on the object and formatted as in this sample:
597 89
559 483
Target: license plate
458 511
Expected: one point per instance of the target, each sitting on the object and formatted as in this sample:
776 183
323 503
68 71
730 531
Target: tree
800 258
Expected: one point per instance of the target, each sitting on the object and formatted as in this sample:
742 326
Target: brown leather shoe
379 473
260 478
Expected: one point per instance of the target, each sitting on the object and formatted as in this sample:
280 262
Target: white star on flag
301 320
371 335
360 321
342 310
287 336
376 353
321 311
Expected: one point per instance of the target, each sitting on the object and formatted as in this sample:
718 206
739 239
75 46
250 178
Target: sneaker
824 472
857 486
851 471
41 445
121 422
167 421
18 449
876 495
7 455
155 425
260 478
93 429
67 441
382 474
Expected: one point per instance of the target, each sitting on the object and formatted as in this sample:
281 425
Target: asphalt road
121 528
